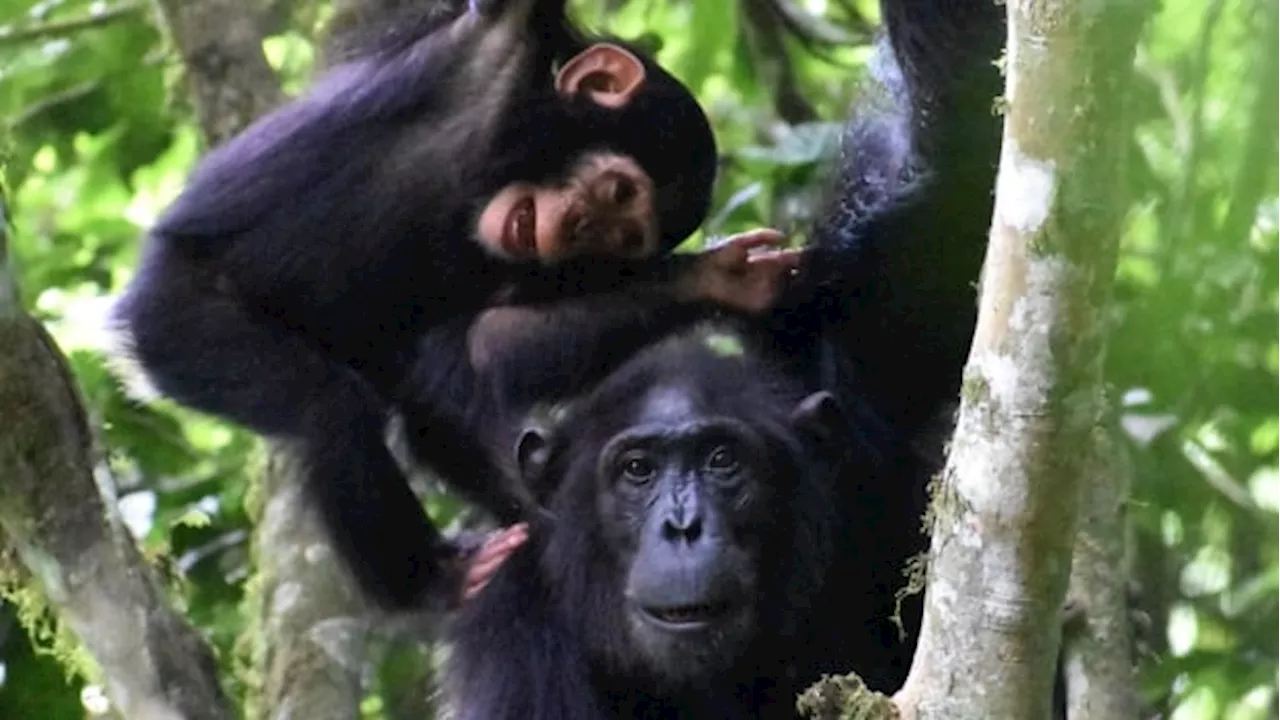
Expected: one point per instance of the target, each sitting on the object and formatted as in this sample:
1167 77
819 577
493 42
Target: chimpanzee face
686 493
605 204
605 207
683 494
672 486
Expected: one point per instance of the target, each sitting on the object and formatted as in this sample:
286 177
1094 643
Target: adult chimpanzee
420 180
733 507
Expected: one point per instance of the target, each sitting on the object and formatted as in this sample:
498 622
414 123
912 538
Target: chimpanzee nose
682 524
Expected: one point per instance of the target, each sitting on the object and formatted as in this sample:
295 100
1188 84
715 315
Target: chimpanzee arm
212 353
729 273
533 353
444 403
543 675
895 260
913 195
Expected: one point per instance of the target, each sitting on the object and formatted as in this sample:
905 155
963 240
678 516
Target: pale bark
313 629
57 509
1097 660
229 79
1005 511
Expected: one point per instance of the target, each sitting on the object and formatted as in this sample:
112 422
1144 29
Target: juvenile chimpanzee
420 180
732 509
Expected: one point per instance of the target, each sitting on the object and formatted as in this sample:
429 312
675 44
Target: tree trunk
228 76
312 630
1005 513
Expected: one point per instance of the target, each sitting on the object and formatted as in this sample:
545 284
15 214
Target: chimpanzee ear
819 414
610 75
533 449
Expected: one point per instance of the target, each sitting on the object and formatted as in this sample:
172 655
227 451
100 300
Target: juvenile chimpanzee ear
533 449
819 414
610 75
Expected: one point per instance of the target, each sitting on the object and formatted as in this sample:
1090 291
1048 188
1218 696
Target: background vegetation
100 136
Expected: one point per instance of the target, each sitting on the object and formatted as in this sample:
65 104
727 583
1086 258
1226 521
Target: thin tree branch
48 102
1257 162
764 36
1180 214
1096 658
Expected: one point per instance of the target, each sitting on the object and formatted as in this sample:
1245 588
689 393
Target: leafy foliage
100 138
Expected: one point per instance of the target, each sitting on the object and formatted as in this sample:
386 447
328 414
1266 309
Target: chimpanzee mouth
519 232
687 617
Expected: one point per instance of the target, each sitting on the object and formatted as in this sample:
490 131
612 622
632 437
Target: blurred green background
100 135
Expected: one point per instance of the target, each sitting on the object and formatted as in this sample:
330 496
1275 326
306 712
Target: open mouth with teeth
519 231
681 617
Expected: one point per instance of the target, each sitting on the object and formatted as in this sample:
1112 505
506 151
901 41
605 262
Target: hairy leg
214 352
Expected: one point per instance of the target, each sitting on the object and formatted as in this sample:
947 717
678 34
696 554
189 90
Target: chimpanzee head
675 487
543 142
619 158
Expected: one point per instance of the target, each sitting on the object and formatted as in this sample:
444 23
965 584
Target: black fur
286 286
882 318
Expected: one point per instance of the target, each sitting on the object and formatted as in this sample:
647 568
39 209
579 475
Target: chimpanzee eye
722 459
638 469
624 189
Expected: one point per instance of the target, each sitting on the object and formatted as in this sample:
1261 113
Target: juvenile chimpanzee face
605 206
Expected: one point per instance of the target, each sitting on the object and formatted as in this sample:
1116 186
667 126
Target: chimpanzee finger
735 253
500 544
756 285
479 575
496 549
773 265
781 258
481 572
761 237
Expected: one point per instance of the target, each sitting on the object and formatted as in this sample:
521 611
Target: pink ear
608 74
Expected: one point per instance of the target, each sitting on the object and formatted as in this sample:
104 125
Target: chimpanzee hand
729 273
495 549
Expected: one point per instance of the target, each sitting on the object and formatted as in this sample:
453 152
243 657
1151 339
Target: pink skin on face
524 222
